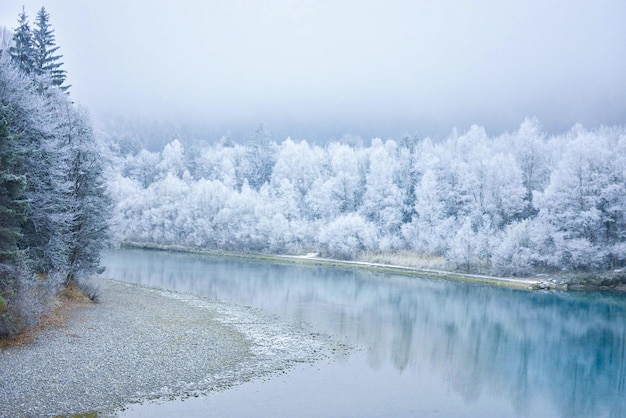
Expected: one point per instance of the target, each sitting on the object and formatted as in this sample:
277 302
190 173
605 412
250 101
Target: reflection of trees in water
526 345
520 345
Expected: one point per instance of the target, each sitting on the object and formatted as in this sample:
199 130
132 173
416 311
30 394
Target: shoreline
141 344
558 281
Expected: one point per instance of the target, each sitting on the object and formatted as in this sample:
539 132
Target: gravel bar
141 344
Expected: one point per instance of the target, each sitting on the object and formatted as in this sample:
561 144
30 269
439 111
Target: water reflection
564 349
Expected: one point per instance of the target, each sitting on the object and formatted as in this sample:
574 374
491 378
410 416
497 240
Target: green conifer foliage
22 50
45 62
12 216
12 204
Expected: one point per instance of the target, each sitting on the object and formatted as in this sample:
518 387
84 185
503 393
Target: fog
320 69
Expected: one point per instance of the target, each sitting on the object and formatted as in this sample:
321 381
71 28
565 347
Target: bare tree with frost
512 204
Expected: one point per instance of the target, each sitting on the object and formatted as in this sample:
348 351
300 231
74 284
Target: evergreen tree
45 62
14 279
22 51
12 203
43 163
89 200
53 203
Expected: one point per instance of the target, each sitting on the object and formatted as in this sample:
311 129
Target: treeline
54 208
515 203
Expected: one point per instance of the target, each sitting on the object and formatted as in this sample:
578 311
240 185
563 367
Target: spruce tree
42 161
12 216
53 201
89 200
45 62
22 52
13 206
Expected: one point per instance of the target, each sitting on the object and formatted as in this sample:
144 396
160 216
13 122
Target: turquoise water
432 347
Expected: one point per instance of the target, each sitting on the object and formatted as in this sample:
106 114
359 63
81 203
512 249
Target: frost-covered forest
515 203
54 207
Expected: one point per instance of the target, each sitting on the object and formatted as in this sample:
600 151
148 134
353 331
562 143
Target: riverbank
141 344
614 280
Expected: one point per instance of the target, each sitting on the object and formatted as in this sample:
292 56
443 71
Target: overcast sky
319 69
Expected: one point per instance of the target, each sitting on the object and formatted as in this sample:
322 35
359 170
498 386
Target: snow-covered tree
506 203
172 160
13 209
301 165
431 229
22 51
13 205
584 203
407 176
43 163
347 235
221 163
90 210
529 147
52 165
142 167
526 246
345 186
383 201
236 223
503 193
206 199
256 168
44 47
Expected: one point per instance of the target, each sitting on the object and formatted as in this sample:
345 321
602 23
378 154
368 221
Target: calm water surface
432 347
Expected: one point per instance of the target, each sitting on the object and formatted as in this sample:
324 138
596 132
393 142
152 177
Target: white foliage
512 203
383 200
346 235
172 160
584 202
525 245
220 163
299 163
142 167
344 184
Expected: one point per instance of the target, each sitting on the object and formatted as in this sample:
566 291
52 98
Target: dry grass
90 414
69 299
73 293
406 259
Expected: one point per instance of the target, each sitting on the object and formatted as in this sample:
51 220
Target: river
430 347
